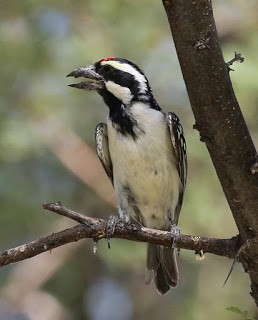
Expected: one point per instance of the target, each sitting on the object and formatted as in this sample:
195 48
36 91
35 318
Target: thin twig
236 258
238 57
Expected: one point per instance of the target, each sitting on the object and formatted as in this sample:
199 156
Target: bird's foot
175 232
111 225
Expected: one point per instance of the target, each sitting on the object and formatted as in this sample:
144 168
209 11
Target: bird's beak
89 72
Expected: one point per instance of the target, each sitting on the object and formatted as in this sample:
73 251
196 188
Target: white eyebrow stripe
131 70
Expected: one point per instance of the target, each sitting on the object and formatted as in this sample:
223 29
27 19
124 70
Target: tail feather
161 281
162 261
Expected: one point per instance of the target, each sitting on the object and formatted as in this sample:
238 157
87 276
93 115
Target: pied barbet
143 152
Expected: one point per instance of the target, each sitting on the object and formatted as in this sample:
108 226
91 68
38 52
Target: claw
175 232
111 225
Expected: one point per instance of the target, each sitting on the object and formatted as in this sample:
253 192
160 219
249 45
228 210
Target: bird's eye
106 68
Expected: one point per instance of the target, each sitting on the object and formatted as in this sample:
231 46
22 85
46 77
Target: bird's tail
161 261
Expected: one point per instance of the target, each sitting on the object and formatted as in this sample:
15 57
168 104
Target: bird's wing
179 146
101 138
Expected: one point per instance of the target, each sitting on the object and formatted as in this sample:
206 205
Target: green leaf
247 315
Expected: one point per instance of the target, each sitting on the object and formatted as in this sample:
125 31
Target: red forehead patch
108 59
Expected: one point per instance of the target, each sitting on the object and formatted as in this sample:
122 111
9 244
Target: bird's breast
146 166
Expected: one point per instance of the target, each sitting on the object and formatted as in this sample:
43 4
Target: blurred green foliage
41 42
245 314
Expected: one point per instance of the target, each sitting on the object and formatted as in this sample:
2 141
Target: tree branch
96 230
218 118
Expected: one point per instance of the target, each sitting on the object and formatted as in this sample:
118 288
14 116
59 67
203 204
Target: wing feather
101 138
179 146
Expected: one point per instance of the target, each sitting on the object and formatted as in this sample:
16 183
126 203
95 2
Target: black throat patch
121 119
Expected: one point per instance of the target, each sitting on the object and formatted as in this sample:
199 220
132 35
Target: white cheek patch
131 70
122 93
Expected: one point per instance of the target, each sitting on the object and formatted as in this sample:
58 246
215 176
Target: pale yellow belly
146 167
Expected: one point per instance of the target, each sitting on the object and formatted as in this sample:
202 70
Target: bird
143 151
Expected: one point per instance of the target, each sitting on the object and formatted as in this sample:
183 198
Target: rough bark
218 119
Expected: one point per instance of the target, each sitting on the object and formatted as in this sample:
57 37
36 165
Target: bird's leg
111 225
112 222
175 232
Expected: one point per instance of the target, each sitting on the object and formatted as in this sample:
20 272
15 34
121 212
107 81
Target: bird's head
115 79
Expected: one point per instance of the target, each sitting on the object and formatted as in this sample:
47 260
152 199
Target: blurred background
47 154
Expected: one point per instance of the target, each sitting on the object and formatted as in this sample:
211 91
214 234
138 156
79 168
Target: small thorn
230 271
